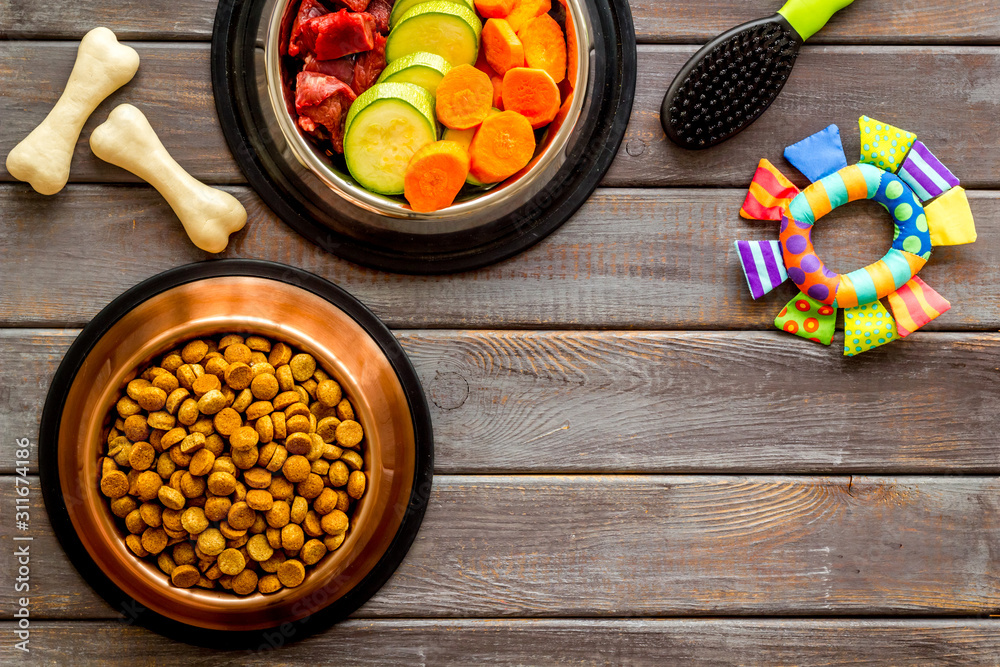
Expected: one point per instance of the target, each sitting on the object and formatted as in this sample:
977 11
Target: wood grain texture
677 21
653 259
911 87
653 642
630 545
948 96
172 88
508 402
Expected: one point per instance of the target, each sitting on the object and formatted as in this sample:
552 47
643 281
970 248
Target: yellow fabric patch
883 145
950 219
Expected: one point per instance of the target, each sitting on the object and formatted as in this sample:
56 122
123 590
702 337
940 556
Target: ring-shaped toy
911 246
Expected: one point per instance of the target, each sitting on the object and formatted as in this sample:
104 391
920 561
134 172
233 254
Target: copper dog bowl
284 304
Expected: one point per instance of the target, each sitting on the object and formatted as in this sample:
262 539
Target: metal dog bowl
285 304
316 195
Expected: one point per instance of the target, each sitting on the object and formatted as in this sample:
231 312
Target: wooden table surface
631 465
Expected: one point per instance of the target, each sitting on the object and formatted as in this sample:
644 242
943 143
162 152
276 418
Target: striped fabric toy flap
762 265
925 174
914 305
770 194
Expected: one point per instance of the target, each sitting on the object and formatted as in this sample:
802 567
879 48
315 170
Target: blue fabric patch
818 155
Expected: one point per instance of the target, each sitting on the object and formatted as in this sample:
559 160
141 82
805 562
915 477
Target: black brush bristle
729 83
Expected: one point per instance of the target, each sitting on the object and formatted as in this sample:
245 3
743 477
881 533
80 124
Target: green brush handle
809 16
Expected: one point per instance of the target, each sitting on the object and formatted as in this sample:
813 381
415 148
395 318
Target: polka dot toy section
812 313
883 145
867 327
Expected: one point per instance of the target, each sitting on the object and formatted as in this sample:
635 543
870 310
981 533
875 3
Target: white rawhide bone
102 66
209 216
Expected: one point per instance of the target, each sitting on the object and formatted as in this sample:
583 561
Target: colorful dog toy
899 173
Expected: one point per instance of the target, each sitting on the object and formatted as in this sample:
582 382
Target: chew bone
102 66
209 216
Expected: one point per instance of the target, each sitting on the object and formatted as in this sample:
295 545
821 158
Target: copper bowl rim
142 600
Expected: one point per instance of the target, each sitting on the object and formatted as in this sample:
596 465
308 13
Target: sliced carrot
571 54
502 46
494 9
525 10
483 65
464 97
531 93
434 176
503 144
497 92
544 46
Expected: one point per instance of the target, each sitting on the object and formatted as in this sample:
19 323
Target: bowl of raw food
203 302
298 169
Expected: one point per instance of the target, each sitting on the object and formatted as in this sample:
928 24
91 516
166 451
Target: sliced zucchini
403 6
448 29
423 69
386 125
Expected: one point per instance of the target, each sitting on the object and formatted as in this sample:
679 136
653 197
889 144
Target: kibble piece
281 489
258 343
258 409
141 456
178 457
229 339
172 437
331 542
335 522
264 386
356 484
217 508
316 448
171 497
201 463
127 407
175 400
325 502
298 443
238 376
245 458
245 582
134 522
269 584
327 428
237 353
339 474
136 429
344 410
221 483
353 460
227 421
258 548
310 487
257 478
280 354
229 532
161 420
187 413
332 452
152 514
311 525
240 516
286 381
217 366
172 521
122 507
211 542
148 485
154 540
114 484
165 563
278 458
279 514
151 398
212 402
265 430
303 366
296 423
192 443
320 467
167 382
291 573
292 536
312 552
278 418
299 508
329 393
134 543
134 387
349 433
194 351
204 384
231 562
185 576
296 468
193 520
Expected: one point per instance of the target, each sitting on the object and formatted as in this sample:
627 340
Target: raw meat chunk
342 68
368 66
322 101
309 9
342 33
380 10
354 5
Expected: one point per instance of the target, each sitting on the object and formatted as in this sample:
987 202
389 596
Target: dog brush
734 78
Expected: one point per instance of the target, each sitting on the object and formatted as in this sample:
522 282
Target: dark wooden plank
505 402
631 545
172 87
681 21
715 642
945 94
667 254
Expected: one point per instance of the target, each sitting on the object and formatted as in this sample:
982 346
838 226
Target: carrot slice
503 144
464 97
504 50
483 65
497 92
571 54
434 176
545 46
531 93
525 10
494 9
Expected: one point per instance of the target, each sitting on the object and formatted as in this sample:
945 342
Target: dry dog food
233 462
